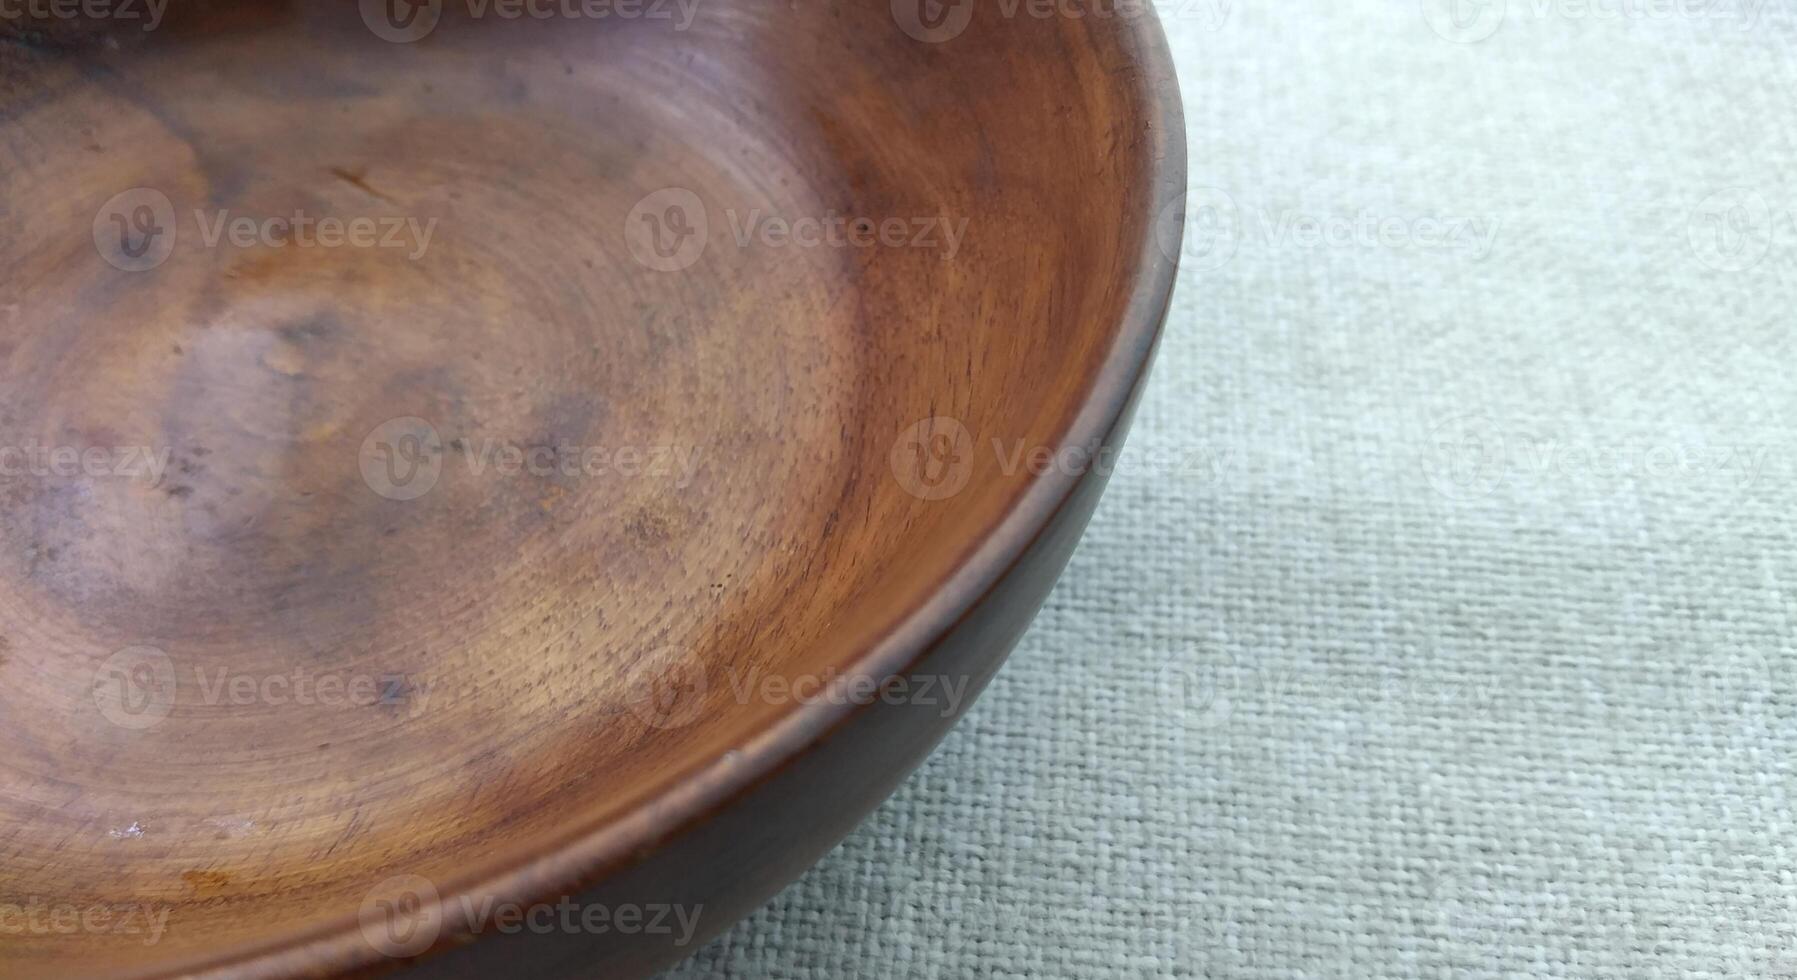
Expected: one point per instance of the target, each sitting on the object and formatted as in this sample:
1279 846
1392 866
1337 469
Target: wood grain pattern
481 469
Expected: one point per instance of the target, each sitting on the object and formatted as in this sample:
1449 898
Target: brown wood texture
538 530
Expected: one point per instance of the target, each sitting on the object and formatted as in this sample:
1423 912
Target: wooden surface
330 642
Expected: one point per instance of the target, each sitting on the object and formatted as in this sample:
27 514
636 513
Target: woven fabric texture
1439 620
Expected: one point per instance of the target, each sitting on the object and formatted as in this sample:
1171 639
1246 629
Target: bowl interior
578 438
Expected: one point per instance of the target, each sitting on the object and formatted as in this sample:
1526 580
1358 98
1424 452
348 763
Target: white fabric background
1440 622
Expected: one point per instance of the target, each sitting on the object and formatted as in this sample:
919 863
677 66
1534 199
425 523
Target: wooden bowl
484 491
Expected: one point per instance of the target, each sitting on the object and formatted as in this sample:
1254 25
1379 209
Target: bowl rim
686 797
